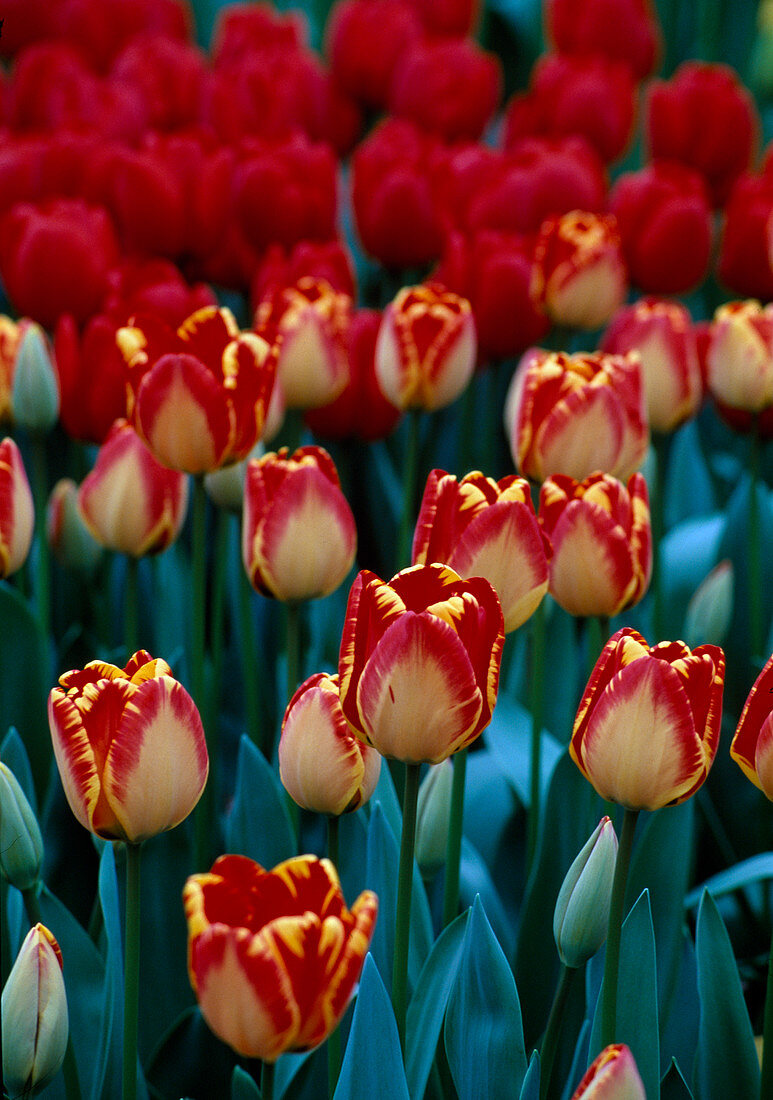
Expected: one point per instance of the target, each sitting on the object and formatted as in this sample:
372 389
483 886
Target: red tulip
752 745
612 1075
744 263
623 30
17 511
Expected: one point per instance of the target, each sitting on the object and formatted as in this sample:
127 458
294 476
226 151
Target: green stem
293 646
410 473
332 840
267 1081
220 569
131 606
766 1078
404 891
251 677
454 844
553 1029
612 956
204 814
131 972
658 525
40 492
755 548
537 711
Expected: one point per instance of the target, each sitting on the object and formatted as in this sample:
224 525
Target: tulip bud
34 1011
611 1076
581 915
35 395
70 539
21 845
711 607
433 817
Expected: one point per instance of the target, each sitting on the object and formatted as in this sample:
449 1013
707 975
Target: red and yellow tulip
647 729
611 1076
483 528
752 744
419 661
274 956
17 511
602 542
129 746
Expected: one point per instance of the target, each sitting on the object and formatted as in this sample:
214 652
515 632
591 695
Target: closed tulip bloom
739 361
35 1020
752 745
198 395
576 414
662 332
581 915
130 502
298 533
419 661
310 320
35 396
611 1076
602 542
129 746
274 956
21 845
483 528
322 765
579 276
426 348
17 511
647 729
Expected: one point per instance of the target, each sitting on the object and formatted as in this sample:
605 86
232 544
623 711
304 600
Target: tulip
197 395
483 528
579 276
17 511
662 332
739 361
752 744
364 41
602 542
744 262
34 1012
35 396
298 533
426 348
611 1076
419 661
129 746
322 765
581 914
274 956
21 845
130 502
10 337
309 321
647 729
624 30
576 414
73 544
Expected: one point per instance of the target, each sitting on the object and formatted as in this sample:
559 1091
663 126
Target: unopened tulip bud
72 542
21 845
581 915
35 396
433 817
711 607
34 1011
611 1076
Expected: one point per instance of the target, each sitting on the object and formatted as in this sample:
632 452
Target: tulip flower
130 502
21 845
274 956
739 362
752 744
483 528
197 395
647 729
579 276
309 321
35 396
426 348
17 511
611 1076
581 914
624 30
419 661
576 414
744 262
298 533
129 746
34 1011
602 542
322 765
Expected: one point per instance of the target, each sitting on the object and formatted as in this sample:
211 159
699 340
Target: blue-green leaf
373 1062
483 1029
242 1086
258 824
24 682
508 736
637 998
14 755
530 1087
109 1050
673 1086
726 1059
738 877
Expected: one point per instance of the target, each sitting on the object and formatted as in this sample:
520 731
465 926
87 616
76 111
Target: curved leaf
258 824
373 1061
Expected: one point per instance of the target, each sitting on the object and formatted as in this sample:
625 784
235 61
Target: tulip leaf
580 1059
726 1059
475 880
189 1060
508 736
673 1086
637 998
738 877
386 794
24 682
258 824
428 1004
483 1030
530 1087
687 497
242 1086
14 755
373 1062
111 1038
688 553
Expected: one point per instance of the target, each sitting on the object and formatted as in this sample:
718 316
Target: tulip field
386 511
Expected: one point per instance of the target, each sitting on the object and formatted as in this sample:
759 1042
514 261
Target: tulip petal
592 571
584 432
371 607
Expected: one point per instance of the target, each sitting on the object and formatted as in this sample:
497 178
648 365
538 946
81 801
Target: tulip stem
410 473
612 956
755 558
205 811
658 524
251 678
267 1081
131 607
553 1029
404 891
43 571
766 1079
131 971
293 645
454 844
537 706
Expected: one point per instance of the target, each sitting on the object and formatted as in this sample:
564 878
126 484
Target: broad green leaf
688 553
373 1063
747 873
110 1048
483 1030
637 997
190 1061
684 497
475 880
242 1086
258 824
386 794
428 1004
14 755
726 1059
508 736
25 680
530 1087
